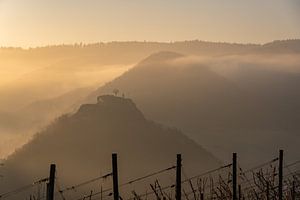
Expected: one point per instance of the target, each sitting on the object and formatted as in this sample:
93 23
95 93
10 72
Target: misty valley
189 120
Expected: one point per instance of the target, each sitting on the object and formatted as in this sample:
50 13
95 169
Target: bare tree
116 92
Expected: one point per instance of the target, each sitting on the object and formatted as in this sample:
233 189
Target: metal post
234 176
178 177
115 176
280 175
50 185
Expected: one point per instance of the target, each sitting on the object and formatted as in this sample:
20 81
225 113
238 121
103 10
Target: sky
30 23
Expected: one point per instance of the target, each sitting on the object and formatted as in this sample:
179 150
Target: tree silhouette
116 91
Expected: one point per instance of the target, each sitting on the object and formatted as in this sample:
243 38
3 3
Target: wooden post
115 176
280 192
178 177
50 185
234 176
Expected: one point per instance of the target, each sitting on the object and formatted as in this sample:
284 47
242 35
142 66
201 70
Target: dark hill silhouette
81 145
247 113
170 93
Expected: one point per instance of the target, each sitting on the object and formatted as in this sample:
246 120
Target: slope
81 145
252 111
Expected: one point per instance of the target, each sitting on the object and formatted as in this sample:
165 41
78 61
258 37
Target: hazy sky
41 22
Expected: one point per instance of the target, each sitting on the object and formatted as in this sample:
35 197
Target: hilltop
81 145
249 104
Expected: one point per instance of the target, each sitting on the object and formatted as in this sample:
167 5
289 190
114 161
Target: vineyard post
115 176
234 176
280 174
50 185
178 177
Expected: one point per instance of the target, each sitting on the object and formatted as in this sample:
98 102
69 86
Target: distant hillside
282 46
33 80
168 92
46 72
17 127
248 104
81 145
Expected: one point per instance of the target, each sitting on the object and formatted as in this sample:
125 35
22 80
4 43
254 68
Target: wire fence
259 182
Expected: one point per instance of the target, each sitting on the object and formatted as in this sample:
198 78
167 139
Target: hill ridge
81 144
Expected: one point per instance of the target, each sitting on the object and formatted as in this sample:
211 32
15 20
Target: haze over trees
224 89
247 103
81 145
